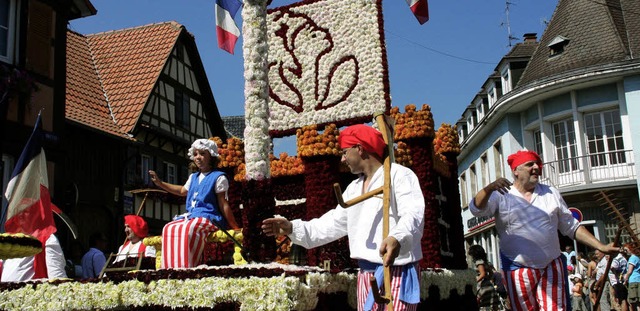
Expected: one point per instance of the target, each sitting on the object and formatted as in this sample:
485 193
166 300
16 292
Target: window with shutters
39 38
8 30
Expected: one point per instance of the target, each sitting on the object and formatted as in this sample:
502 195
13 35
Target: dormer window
556 46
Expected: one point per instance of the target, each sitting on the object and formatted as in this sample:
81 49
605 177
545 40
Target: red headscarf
523 156
137 224
369 138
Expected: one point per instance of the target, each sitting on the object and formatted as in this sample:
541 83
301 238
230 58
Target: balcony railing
590 169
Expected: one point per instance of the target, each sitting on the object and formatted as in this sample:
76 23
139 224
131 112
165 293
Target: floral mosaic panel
327 64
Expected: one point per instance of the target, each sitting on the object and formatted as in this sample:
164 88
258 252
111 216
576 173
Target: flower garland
258 287
326 68
17 245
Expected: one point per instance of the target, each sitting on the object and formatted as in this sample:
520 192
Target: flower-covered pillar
257 192
320 156
446 148
415 129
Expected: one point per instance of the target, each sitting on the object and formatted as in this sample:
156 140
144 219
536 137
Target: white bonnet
203 144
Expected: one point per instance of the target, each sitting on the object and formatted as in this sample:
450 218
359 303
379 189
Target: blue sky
442 63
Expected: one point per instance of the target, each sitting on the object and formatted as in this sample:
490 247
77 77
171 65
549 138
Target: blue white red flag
28 203
226 28
420 9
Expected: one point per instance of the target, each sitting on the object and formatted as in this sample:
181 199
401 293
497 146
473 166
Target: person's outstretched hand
276 226
501 185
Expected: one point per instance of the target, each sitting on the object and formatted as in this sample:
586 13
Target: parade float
308 72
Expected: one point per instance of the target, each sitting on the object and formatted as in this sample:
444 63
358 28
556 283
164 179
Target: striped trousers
364 287
538 289
183 242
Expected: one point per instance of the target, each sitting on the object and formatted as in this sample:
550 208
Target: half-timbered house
136 100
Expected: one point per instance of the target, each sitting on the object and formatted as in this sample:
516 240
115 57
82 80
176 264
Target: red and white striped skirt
183 242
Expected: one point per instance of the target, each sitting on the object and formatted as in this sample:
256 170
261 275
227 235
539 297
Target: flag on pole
420 9
28 203
226 28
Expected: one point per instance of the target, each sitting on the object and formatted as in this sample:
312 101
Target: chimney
530 37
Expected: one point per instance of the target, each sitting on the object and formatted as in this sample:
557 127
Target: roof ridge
173 23
102 88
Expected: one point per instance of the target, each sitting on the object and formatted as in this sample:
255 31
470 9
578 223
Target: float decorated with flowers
307 73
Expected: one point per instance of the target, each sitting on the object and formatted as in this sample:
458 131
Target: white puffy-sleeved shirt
529 230
133 249
21 269
362 222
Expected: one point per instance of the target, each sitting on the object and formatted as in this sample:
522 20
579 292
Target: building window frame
145 166
604 137
8 29
170 172
564 137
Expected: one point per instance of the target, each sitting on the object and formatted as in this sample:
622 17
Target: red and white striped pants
538 289
183 242
396 275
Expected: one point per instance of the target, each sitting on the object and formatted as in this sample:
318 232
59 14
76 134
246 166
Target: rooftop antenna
510 38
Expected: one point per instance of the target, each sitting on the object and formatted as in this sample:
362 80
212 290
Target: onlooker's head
135 227
576 278
98 240
477 252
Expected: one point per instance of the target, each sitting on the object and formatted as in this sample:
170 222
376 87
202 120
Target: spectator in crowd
486 290
568 253
632 277
577 295
94 260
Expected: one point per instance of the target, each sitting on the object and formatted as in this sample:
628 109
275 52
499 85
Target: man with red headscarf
528 216
363 150
136 229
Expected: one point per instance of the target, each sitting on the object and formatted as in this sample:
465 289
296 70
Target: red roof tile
116 70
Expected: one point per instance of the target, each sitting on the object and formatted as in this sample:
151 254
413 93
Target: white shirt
363 222
21 269
133 249
528 231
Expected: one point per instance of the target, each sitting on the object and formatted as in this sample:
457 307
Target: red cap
369 138
137 224
523 156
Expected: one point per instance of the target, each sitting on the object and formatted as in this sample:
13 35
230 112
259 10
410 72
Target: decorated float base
246 287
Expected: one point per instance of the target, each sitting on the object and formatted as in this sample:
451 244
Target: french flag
226 28
28 204
420 9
